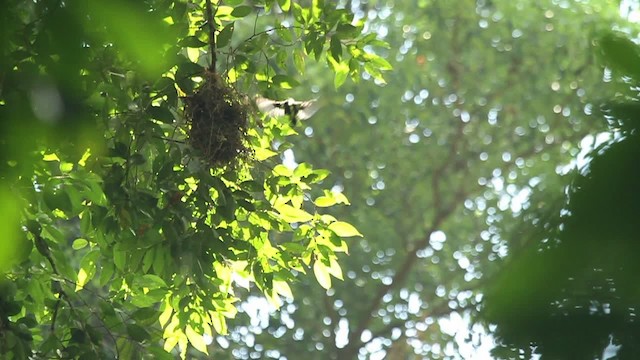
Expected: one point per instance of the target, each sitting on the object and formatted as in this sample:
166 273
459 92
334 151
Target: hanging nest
218 122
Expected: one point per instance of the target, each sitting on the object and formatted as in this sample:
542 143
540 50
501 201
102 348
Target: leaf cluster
123 241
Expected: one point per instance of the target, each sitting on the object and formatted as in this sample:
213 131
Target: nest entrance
218 120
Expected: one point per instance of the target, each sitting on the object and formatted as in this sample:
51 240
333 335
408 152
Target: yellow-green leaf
341 198
344 229
282 288
263 154
87 269
291 214
322 274
324 201
219 322
335 269
341 69
196 340
83 277
79 243
50 157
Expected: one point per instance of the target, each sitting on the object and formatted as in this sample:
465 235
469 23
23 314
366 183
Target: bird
294 109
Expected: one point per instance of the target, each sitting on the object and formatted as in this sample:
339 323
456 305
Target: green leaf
284 81
302 170
106 273
192 42
298 14
342 71
228 209
285 34
79 243
159 262
380 62
344 229
119 258
241 11
224 36
137 332
252 186
147 260
151 298
336 48
347 31
298 59
621 54
317 176
185 71
160 113
149 281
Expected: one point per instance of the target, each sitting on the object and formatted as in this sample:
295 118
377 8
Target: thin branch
212 36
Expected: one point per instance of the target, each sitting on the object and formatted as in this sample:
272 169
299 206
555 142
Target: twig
212 36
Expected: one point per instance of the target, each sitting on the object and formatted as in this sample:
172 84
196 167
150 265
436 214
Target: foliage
572 292
118 239
487 100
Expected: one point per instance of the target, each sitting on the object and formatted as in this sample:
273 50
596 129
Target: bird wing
307 109
264 104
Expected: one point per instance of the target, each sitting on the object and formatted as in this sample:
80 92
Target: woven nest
218 121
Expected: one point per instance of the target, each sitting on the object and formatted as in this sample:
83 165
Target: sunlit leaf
219 323
324 201
196 340
291 214
264 154
285 5
87 268
79 243
341 70
344 229
322 275
282 288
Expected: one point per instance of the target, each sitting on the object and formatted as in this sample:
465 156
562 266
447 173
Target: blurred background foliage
493 192
488 104
571 284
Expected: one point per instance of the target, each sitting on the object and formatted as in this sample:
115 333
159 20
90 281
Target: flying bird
294 109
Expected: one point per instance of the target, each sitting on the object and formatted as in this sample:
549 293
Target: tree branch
212 36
